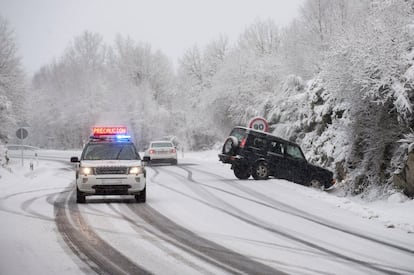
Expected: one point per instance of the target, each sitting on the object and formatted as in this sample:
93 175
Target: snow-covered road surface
198 219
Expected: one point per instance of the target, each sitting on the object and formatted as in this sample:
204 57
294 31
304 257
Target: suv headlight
85 171
136 170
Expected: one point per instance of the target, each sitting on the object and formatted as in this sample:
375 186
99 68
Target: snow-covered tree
214 55
261 38
77 80
126 84
12 85
367 68
364 93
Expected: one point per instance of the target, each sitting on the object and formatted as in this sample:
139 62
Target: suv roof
261 133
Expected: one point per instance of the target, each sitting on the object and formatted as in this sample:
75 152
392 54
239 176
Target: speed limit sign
259 124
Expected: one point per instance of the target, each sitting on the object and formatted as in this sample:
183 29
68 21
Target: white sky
44 28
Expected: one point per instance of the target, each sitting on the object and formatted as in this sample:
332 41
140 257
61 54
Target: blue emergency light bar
123 137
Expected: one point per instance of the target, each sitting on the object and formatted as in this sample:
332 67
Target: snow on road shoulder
394 211
29 240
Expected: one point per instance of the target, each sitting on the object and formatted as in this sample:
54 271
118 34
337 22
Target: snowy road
198 219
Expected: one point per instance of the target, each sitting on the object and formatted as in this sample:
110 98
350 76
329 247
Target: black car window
259 142
276 147
238 133
294 152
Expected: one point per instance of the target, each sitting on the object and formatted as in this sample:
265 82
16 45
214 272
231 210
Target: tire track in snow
220 256
252 220
97 254
150 230
26 205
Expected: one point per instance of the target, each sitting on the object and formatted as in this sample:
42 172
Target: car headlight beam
135 170
86 171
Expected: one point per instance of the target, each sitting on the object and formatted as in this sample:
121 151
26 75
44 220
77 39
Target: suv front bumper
111 184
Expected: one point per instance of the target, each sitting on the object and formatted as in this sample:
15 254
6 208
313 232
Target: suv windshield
110 151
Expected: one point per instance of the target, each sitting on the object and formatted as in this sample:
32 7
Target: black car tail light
242 143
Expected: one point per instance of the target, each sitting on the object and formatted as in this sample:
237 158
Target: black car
261 155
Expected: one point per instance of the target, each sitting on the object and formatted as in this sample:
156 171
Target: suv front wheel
260 171
80 196
142 196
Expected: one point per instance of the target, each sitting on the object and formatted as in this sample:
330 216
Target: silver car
161 152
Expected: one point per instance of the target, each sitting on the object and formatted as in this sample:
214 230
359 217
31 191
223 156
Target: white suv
110 165
161 152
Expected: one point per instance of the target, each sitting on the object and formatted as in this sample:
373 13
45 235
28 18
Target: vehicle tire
230 145
260 171
174 162
80 196
242 172
142 196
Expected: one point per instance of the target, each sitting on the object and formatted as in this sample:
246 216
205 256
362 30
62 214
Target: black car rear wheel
260 171
242 172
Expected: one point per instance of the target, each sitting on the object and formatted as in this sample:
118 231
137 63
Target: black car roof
249 130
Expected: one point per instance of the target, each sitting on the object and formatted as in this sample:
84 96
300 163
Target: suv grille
111 189
111 170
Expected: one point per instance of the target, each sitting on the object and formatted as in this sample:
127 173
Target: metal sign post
21 134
